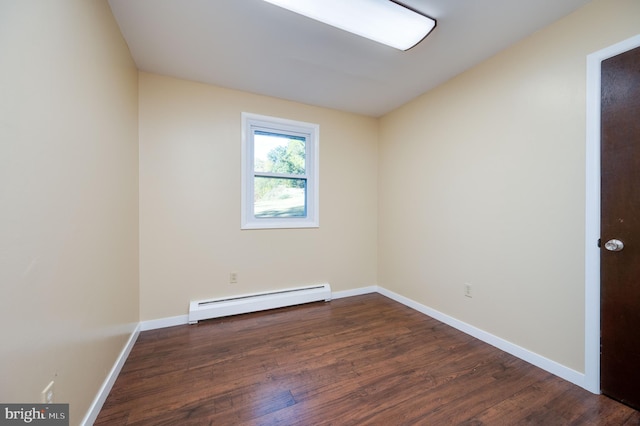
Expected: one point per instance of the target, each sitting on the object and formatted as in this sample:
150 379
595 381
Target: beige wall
190 237
68 199
482 181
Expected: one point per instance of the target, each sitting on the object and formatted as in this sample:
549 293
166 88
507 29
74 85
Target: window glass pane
278 197
278 153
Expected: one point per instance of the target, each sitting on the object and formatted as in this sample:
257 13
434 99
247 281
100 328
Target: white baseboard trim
184 319
354 292
164 322
103 393
546 364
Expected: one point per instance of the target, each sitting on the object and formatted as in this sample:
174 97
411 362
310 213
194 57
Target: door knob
614 245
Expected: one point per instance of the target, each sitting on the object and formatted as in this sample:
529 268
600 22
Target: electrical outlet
467 290
46 396
233 278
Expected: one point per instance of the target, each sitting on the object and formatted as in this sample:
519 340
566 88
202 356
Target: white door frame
592 219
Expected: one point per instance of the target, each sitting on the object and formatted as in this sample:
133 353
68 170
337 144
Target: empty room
234 212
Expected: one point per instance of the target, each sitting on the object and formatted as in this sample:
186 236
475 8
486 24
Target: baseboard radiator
234 305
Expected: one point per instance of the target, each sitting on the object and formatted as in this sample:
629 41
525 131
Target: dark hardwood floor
353 361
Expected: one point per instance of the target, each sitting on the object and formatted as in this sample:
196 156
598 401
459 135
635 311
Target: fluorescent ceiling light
384 21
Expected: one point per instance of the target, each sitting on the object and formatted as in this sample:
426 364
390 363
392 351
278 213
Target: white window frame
311 132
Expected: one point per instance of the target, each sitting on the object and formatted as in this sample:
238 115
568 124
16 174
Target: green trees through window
280 175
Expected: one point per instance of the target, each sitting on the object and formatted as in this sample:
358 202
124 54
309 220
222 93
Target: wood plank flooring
364 360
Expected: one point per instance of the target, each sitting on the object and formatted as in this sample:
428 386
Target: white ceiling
254 46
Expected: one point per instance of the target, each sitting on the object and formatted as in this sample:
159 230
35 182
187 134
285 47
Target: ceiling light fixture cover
384 21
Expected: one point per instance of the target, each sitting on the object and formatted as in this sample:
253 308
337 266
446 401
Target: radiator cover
242 304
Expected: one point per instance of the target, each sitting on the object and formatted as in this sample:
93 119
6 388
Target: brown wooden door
620 204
